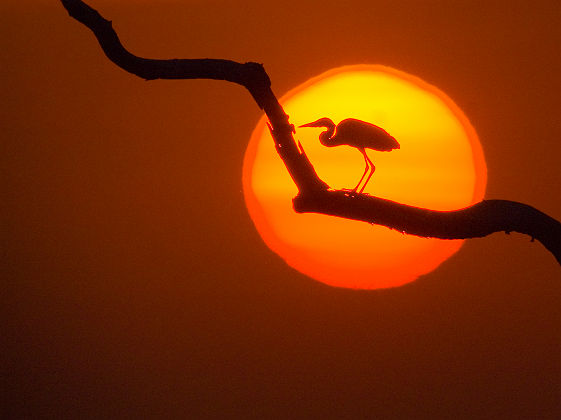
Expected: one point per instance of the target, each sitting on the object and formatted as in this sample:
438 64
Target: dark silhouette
314 195
359 134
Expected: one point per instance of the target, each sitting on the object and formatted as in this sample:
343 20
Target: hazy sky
136 283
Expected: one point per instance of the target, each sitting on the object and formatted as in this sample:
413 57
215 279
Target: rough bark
481 219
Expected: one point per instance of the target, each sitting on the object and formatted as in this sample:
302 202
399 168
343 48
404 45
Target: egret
359 134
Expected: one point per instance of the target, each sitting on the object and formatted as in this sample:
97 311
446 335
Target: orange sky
136 282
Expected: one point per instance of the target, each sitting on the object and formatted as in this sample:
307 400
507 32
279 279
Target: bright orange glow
440 166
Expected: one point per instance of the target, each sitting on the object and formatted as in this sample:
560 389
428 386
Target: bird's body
359 134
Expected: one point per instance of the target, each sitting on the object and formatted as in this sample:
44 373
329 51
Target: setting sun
439 166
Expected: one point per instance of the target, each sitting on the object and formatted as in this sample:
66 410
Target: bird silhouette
359 134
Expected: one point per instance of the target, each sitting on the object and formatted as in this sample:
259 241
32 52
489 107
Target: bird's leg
365 170
372 169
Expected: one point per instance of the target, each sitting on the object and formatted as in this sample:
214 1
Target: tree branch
477 221
250 75
481 219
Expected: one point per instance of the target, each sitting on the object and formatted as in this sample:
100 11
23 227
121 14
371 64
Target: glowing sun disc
439 166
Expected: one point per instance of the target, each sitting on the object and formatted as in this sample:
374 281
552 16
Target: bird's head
325 137
322 122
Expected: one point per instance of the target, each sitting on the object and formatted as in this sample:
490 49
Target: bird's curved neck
326 136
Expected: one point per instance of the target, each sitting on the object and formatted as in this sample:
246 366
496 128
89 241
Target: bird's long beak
312 124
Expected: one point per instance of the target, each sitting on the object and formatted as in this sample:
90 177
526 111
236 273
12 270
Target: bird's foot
351 193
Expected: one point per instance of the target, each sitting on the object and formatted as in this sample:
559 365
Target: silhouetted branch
250 75
481 219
